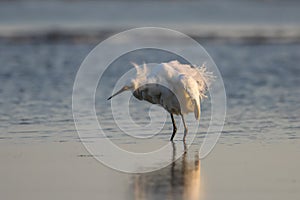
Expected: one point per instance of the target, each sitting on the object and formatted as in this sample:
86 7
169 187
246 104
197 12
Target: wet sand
65 170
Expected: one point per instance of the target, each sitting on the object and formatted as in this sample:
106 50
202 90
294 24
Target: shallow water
39 140
261 83
40 54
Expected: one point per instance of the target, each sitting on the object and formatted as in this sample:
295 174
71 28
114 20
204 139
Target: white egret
178 88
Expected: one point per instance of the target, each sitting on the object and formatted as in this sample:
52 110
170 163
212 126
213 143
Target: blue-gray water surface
261 81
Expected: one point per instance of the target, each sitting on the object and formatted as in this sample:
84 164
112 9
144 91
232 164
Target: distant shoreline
247 34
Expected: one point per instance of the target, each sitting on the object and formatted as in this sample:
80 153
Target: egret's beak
119 92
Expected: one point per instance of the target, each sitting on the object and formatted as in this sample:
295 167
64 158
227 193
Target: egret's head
131 85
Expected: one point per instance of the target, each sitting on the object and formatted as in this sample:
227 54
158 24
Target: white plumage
178 88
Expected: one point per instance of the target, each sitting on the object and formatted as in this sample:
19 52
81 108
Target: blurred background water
261 82
255 44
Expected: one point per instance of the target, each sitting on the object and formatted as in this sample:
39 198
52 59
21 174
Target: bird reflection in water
180 180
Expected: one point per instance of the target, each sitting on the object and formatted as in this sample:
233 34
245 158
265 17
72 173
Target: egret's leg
185 127
174 127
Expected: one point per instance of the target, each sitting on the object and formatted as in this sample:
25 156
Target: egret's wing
191 88
198 73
